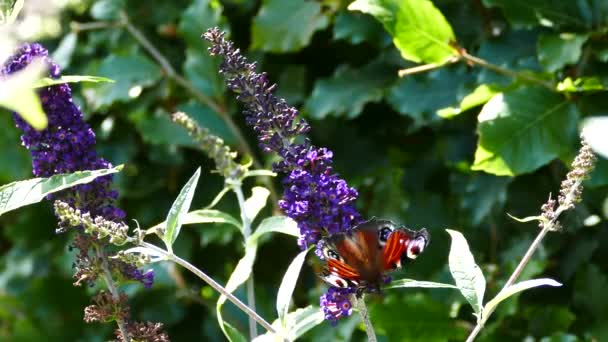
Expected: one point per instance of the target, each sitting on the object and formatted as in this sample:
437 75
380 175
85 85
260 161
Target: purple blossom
314 195
67 144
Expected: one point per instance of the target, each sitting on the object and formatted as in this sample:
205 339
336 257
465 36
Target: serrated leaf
297 323
255 203
278 224
558 50
239 276
22 193
466 273
419 29
17 94
516 288
401 283
347 91
179 209
288 285
522 130
594 131
47 81
286 26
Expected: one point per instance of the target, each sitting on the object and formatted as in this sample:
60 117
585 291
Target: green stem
364 313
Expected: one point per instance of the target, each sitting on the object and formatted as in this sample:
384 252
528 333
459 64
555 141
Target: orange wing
394 249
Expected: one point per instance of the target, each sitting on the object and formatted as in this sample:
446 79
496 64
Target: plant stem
369 328
498 69
246 222
426 67
547 226
216 286
107 277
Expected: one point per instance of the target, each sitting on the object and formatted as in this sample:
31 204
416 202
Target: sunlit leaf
516 288
419 29
401 283
580 85
259 173
22 193
559 50
17 94
297 323
594 131
179 209
288 285
466 272
47 81
527 219
256 202
17 7
278 224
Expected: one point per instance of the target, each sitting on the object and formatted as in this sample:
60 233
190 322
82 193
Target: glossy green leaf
479 96
466 272
594 131
357 28
47 81
131 74
277 224
22 193
580 85
522 130
179 209
516 288
419 29
350 90
409 283
558 50
297 323
288 285
286 26
16 94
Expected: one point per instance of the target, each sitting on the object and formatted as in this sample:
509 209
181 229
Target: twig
107 277
246 233
369 328
426 67
216 286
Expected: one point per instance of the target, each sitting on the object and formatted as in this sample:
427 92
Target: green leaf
516 288
131 74
22 193
558 50
482 94
233 334
580 85
47 81
17 94
288 285
107 9
530 13
357 28
424 97
347 91
239 276
522 130
418 28
256 202
179 209
297 323
259 173
400 283
594 131
478 200
17 7
210 216
277 224
466 272
64 52
286 26
527 219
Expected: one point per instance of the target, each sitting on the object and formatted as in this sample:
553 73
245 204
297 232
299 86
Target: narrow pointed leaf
22 193
526 219
416 283
279 224
47 81
180 207
516 288
466 272
288 284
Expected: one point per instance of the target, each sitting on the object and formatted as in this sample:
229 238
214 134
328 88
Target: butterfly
361 257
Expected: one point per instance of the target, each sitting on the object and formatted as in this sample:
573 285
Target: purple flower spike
67 145
314 196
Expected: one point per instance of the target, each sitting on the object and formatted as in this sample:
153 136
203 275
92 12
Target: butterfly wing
401 244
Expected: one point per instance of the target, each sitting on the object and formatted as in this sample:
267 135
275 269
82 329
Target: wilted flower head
314 196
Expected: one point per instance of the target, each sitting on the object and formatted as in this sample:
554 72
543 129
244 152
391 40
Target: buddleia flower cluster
68 145
314 195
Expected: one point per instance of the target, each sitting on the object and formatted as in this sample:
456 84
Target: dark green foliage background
408 163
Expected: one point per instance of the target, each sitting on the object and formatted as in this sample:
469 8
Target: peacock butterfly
361 257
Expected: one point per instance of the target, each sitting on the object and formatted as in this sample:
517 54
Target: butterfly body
361 257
